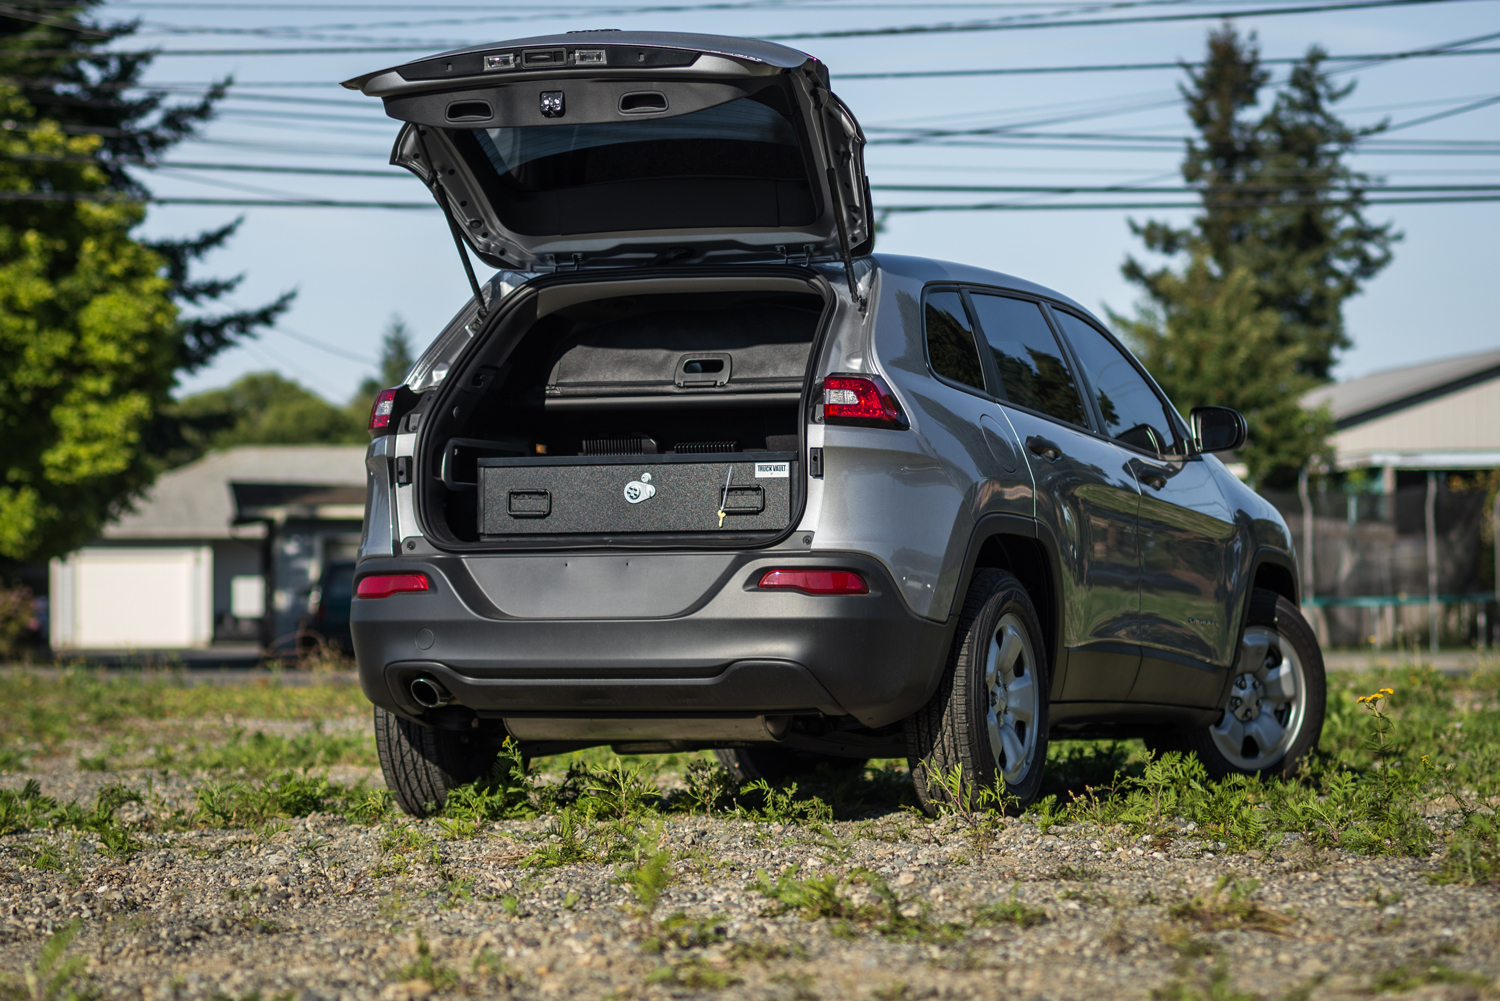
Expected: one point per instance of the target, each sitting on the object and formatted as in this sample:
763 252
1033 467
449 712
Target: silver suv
697 469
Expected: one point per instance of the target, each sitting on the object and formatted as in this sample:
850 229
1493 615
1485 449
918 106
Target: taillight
380 413
860 399
383 585
816 581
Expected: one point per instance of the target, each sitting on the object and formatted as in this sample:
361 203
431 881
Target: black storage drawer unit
613 494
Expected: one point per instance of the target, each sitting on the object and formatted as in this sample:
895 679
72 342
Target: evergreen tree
395 361
54 57
1281 210
92 328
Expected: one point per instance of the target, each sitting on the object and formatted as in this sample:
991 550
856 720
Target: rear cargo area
676 413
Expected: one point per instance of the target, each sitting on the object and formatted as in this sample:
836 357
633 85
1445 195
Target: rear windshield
736 165
743 120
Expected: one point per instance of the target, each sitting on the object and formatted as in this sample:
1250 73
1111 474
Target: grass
45 710
1409 764
1397 749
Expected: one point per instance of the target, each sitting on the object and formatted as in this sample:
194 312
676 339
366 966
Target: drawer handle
529 503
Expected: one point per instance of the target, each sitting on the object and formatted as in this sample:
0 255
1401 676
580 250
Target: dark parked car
698 469
329 603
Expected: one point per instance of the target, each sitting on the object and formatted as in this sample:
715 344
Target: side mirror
1217 429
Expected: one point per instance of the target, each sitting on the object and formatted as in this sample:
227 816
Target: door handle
1152 476
1044 448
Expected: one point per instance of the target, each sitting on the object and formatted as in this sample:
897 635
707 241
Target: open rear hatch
645 411
633 148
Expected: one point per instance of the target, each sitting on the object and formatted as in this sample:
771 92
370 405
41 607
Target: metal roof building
1442 415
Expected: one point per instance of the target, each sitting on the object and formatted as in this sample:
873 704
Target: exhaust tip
429 693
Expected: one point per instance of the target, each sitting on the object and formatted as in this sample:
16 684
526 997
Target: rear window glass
950 341
1031 364
747 137
742 120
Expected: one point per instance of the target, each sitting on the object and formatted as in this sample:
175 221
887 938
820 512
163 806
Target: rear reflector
380 413
383 585
860 399
816 581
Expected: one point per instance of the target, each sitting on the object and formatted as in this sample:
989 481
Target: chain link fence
1376 565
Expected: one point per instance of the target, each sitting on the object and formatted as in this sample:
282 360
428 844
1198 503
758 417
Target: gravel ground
333 910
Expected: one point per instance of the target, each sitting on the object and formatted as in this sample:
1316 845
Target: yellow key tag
725 502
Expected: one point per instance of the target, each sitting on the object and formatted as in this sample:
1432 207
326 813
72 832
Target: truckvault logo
639 490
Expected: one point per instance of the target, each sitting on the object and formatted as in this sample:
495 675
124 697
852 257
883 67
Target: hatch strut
838 202
838 197
440 194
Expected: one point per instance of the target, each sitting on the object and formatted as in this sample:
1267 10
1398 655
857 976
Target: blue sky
354 269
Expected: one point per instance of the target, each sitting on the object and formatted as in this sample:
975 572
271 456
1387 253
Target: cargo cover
642 493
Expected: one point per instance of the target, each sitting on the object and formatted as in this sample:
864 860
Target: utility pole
1433 614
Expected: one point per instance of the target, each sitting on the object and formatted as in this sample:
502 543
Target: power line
49 196
1048 189
1130 206
322 346
1128 67
972 26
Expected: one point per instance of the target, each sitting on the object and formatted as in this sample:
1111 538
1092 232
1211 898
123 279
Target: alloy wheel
1267 702
1009 673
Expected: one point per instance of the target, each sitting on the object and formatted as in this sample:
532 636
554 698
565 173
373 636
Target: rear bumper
731 653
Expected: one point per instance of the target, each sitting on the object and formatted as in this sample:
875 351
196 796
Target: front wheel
421 763
986 725
1273 714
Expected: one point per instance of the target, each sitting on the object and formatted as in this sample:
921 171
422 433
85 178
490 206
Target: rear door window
1133 414
950 340
1033 372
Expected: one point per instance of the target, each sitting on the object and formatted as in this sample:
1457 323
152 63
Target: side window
950 340
1030 362
1133 413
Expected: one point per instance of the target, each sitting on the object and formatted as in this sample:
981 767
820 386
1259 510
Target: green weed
1010 912
708 785
682 932
781 805
618 791
282 795
1473 854
46 858
1229 905
438 978
649 877
828 898
260 755
1412 975
567 842
56 975
694 973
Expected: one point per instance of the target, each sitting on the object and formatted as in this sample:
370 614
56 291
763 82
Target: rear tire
988 717
774 764
421 763
1273 714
